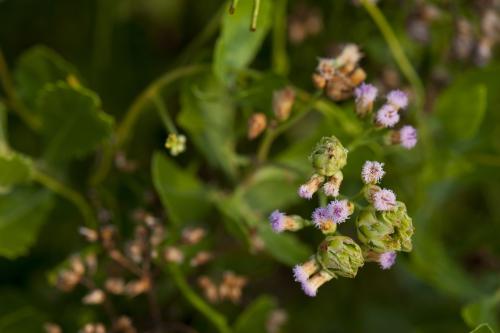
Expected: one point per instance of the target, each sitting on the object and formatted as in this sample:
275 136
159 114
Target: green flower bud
340 256
329 156
386 231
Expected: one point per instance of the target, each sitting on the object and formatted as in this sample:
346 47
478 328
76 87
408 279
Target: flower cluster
383 226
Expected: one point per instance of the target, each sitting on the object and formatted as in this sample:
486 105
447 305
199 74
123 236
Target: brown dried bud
91 262
357 77
124 325
96 296
108 233
93 328
319 81
52 328
283 102
90 235
67 280
201 258
339 88
277 318
257 123
193 236
209 289
173 254
136 287
231 287
76 264
115 285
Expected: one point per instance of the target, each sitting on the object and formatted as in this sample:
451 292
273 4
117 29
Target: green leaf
17 314
22 213
284 247
73 123
208 116
483 311
461 108
37 67
182 194
14 169
483 328
255 316
237 45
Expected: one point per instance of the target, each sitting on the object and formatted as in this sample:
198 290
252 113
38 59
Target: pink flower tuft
372 172
387 116
384 200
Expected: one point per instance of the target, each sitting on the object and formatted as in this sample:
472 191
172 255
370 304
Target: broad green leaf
37 67
73 122
208 116
182 194
461 109
285 247
237 45
483 311
483 328
14 169
255 316
22 213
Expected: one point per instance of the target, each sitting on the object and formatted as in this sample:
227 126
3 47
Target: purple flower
398 99
338 210
299 274
277 220
387 116
384 200
387 259
365 93
309 288
320 216
372 172
331 189
305 192
408 136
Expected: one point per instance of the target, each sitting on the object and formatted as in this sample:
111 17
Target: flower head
303 271
277 220
384 200
387 259
257 123
398 99
365 96
176 143
326 67
408 136
338 210
308 189
329 156
372 172
282 103
310 286
387 116
340 256
332 186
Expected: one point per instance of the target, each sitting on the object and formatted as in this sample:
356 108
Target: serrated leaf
37 67
483 328
73 123
182 194
14 169
461 109
237 45
255 316
208 116
22 212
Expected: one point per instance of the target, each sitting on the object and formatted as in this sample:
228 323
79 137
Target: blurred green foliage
77 87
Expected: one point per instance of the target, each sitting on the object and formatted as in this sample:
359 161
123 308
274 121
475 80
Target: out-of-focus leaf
14 169
17 315
182 194
461 108
208 116
73 123
483 328
285 247
483 311
237 45
37 67
22 212
255 316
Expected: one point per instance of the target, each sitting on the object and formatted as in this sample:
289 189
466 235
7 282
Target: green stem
13 99
360 140
232 7
279 54
67 193
164 115
396 50
216 318
273 133
255 14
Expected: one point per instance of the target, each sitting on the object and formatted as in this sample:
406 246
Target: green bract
329 156
340 256
386 231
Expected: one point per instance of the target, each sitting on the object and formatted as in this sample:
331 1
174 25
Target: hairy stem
74 197
216 318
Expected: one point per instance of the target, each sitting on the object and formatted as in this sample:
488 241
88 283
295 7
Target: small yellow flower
176 143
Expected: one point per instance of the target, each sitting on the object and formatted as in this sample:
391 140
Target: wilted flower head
340 256
372 172
365 96
398 99
387 259
326 67
308 189
176 143
282 103
387 116
408 136
384 200
349 57
257 123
